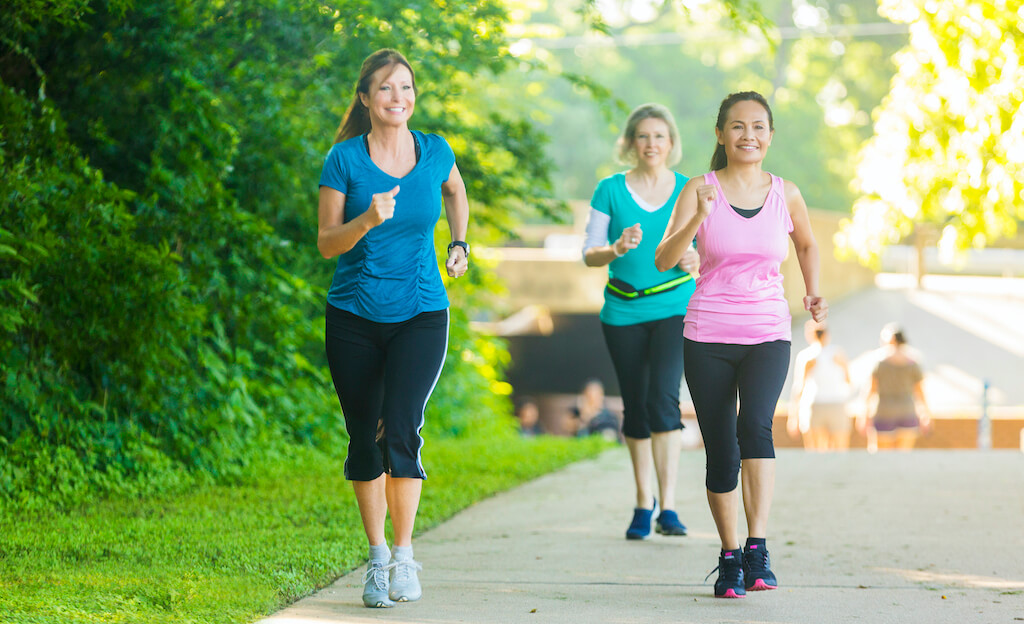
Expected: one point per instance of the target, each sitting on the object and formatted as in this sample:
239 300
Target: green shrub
161 298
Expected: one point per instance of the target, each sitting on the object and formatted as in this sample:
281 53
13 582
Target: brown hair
719 160
356 120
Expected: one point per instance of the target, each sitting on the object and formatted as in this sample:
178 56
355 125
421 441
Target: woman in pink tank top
737 331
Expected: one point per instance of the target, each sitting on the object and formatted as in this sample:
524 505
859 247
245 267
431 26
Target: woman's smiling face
652 142
391 97
747 132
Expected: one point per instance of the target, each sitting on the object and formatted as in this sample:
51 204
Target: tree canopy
161 295
823 66
948 148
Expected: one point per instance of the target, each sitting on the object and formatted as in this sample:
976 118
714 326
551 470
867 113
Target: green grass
233 553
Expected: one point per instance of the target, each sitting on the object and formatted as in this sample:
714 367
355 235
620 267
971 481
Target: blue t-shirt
392 273
637 266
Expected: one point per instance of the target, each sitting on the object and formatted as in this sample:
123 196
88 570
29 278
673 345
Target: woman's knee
665 417
364 462
635 427
723 477
754 432
757 444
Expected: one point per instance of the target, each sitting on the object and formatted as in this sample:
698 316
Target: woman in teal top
643 310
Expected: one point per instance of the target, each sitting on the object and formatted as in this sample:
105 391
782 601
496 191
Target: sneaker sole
662 531
637 537
380 604
760 585
730 593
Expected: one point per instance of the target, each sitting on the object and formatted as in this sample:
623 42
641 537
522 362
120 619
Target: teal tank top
637 266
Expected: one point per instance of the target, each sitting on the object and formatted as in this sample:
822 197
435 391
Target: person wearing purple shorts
896 410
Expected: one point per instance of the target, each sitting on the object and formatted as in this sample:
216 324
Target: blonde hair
626 155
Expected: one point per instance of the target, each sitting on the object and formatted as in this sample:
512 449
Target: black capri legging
716 374
384 374
648 360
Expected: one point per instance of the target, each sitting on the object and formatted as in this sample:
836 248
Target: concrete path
927 536
966 330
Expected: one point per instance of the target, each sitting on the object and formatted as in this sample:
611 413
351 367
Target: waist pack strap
623 290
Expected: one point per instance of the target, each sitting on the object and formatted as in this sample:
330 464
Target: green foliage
162 317
948 152
822 79
83 338
111 382
234 554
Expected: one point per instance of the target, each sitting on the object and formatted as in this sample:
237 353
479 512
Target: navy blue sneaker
730 575
757 569
668 523
640 527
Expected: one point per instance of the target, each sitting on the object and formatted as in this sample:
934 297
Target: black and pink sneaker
730 575
757 568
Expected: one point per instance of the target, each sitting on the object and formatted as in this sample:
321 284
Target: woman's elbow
321 246
808 249
661 262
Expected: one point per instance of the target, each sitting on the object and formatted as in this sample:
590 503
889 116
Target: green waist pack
623 290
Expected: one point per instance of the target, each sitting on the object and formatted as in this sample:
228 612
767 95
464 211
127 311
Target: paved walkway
966 329
928 536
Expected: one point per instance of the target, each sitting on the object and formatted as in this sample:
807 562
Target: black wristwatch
463 244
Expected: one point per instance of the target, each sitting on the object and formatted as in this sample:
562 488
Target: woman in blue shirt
643 310
381 191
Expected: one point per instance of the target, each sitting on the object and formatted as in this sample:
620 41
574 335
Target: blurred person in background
896 412
821 390
592 416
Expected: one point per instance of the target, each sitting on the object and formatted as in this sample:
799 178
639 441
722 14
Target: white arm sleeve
597 230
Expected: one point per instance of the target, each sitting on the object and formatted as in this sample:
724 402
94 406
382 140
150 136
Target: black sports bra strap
416 142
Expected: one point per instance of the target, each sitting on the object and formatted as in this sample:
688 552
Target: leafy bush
127 367
161 299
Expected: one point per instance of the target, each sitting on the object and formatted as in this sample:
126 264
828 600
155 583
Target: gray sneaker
375 585
405 584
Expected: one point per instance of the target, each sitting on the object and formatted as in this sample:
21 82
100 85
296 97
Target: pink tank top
739 297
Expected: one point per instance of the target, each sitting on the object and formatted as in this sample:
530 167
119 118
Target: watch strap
463 244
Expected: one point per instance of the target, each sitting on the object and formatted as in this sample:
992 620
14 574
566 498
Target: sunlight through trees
948 151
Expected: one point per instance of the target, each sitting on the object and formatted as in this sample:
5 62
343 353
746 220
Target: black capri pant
719 373
384 374
648 360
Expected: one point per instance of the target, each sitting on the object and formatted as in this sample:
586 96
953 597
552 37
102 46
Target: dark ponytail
892 331
719 160
356 120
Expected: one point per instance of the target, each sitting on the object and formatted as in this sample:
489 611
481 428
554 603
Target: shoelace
732 571
379 574
756 560
403 568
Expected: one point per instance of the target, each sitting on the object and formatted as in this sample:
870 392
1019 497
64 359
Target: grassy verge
232 554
